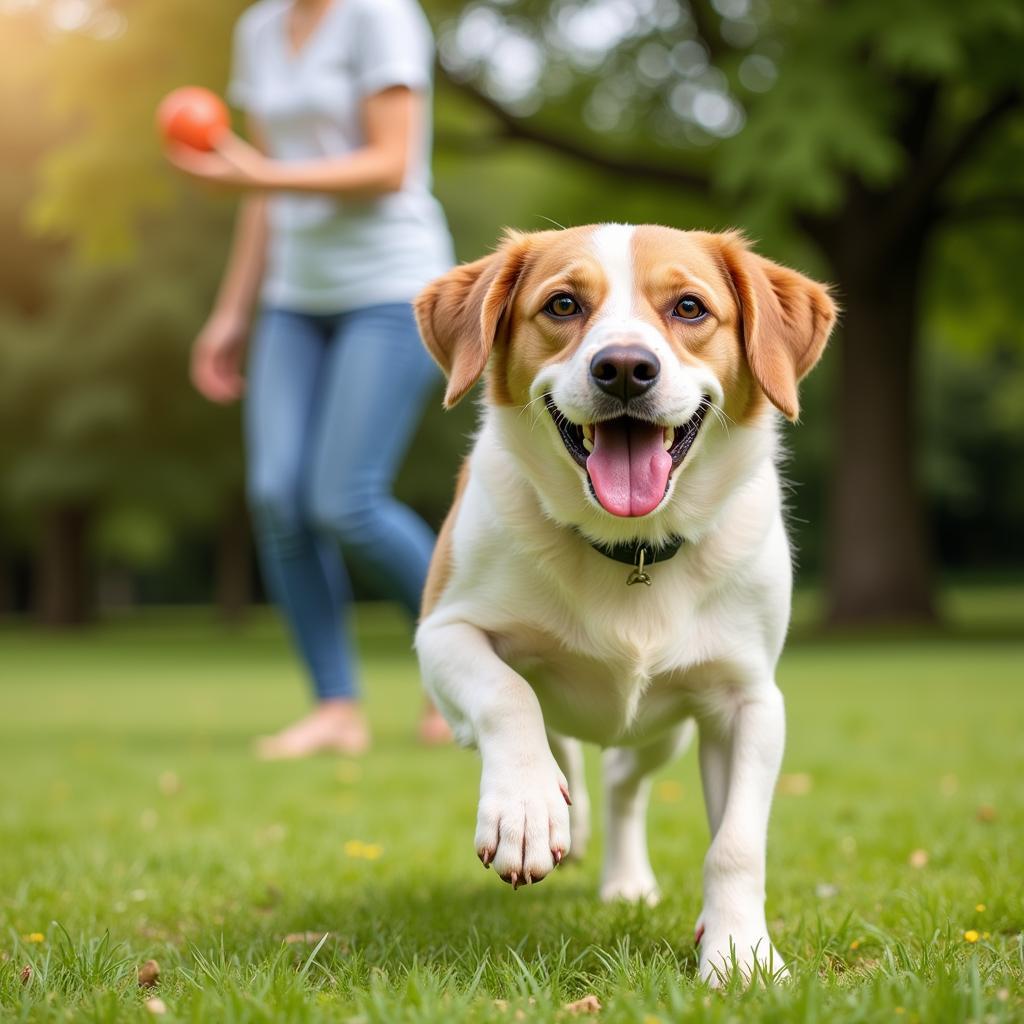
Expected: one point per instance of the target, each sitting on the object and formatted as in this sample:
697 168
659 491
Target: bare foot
434 730
334 726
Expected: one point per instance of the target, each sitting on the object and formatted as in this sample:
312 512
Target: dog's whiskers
722 418
530 404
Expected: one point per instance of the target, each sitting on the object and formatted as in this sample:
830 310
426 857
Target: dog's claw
698 935
557 857
514 880
565 795
485 857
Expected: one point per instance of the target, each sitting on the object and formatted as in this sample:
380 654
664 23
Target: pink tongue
629 466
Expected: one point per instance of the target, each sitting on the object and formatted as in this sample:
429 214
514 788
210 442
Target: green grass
134 823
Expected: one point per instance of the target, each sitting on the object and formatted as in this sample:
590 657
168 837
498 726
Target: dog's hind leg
627 874
569 755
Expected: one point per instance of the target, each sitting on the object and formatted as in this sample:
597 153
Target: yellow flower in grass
971 935
980 908
34 937
855 944
362 851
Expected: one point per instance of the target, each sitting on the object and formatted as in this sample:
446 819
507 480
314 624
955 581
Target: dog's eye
562 305
689 308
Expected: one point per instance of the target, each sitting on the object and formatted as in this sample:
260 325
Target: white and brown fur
530 640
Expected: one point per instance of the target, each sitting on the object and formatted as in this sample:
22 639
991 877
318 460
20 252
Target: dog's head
632 343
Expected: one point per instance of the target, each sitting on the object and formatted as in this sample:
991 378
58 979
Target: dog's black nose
624 371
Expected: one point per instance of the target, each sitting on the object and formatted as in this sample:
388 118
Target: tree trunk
6 586
61 570
879 566
234 562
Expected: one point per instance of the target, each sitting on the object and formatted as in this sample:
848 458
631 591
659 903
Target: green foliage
134 814
98 186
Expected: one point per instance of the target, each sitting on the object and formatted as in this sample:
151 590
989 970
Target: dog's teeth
670 436
588 432
588 442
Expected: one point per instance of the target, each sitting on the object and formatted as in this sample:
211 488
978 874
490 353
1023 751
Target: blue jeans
333 401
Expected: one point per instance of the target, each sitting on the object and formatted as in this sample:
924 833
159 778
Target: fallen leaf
169 783
795 784
588 1004
156 1006
149 974
294 938
918 858
26 974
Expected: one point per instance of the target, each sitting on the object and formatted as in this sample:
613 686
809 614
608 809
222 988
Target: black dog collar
639 554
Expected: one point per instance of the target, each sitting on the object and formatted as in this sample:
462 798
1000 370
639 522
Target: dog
615 567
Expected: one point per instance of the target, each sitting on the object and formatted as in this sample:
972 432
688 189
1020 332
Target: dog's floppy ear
459 314
786 320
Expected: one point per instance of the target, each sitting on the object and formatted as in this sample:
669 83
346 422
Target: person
336 232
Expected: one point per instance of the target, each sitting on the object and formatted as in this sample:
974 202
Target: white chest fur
609 662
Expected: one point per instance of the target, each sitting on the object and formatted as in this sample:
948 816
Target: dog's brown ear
460 314
786 320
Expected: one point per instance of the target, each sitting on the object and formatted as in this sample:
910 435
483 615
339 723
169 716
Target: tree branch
1009 205
943 168
707 30
529 131
917 206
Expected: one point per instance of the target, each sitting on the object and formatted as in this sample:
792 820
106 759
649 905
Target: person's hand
217 354
233 163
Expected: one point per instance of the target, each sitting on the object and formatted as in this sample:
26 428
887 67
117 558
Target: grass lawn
135 824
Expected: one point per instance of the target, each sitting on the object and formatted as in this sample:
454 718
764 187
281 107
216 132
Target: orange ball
193 116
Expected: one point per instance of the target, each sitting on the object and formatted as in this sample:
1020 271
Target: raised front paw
740 945
522 827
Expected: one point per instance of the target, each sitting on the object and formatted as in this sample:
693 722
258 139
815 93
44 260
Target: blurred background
876 145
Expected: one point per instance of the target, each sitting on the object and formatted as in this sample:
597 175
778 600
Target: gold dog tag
637 575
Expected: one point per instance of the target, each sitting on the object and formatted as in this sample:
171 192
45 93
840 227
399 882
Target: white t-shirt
329 254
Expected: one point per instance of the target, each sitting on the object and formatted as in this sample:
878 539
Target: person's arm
217 353
244 271
391 120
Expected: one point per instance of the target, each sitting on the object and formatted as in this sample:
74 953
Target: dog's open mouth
628 461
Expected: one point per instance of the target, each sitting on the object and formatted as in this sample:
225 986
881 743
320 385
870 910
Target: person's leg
304 574
376 378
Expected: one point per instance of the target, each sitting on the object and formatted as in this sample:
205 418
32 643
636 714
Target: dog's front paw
743 946
522 828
